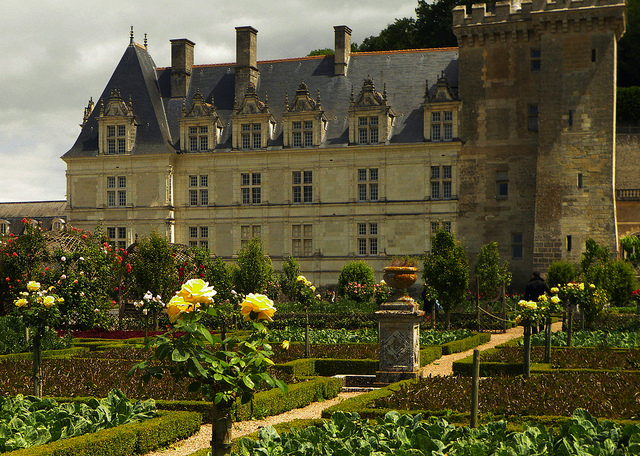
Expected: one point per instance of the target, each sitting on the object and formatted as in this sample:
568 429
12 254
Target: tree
255 272
288 279
355 272
629 48
446 270
490 274
325 51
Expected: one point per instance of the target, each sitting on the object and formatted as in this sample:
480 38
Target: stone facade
510 139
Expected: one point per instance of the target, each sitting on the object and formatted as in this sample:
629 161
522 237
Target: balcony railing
628 194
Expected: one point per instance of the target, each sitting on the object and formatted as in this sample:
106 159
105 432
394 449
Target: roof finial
384 91
318 103
145 41
131 36
286 100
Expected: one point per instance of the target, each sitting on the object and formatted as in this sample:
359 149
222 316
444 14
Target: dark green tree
446 271
254 273
290 272
355 272
490 274
629 48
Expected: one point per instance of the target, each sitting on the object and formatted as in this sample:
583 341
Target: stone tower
537 80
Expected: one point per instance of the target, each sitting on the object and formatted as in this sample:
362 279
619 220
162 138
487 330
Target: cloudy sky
55 54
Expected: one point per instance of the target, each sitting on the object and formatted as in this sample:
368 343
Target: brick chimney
181 65
246 60
342 49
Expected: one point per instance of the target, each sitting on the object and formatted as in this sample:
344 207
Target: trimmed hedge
330 367
430 354
62 353
135 438
459 346
304 367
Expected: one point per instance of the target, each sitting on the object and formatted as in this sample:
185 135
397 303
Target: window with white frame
302 186
302 133
368 132
368 184
367 238
4 227
248 232
117 236
445 225
251 136
199 236
198 190
441 182
116 191
198 138
302 240
251 188
116 139
441 125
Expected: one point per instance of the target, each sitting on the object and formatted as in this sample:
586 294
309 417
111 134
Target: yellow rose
555 299
33 286
592 286
21 302
60 299
197 290
581 286
542 297
178 305
555 290
382 282
313 288
301 278
49 301
257 307
285 345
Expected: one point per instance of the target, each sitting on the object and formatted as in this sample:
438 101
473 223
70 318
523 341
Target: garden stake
475 386
504 309
306 334
547 344
569 327
527 349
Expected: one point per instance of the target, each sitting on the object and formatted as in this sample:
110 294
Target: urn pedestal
399 329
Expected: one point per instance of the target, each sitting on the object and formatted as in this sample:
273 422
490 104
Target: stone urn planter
400 278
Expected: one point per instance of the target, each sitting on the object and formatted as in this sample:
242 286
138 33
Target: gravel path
442 366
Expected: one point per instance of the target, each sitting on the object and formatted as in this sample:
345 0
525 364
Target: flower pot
400 277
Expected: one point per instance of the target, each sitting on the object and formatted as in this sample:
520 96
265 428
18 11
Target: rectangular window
122 198
435 117
246 196
204 231
193 232
204 143
308 194
117 236
198 236
122 182
251 136
373 135
435 132
569 242
308 138
516 246
367 240
448 132
249 231
256 195
593 55
246 141
302 193
199 193
111 232
368 184
296 125
580 180
363 136
368 130
111 146
111 182
111 131
532 117
536 59
441 183
122 146
251 188
193 143
434 227
296 139
119 198
121 130
502 184
257 140
446 226
111 199
302 240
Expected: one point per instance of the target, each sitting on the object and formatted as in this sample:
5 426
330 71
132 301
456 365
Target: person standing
536 287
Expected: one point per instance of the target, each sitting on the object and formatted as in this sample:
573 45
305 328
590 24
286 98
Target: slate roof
45 212
149 89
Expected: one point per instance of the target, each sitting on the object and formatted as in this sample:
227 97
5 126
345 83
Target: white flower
63 276
233 292
82 294
81 258
63 259
148 296
96 310
145 311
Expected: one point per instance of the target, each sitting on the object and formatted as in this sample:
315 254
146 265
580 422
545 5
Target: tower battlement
561 14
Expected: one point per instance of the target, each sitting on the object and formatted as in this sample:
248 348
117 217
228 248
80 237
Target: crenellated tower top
522 19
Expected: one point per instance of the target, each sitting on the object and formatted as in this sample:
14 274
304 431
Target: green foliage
561 273
597 338
346 433
446 271
325 51
154 268
628 105
287 280
355 272
28 421
254 272
593 254
628 49
13 337
490 274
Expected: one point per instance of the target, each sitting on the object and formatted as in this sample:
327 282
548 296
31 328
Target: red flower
8 279
84 236
15 253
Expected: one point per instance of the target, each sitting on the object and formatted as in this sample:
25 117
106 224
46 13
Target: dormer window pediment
200 126
303 122
252 124
371 118
441 110
116 126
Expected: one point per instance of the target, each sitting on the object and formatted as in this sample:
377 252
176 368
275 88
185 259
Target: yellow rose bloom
33 286
592 286
21 302
555 299
555 290
301 278
285 345
49 301
178 305
60 299
581 286
257 307
197 290
542 297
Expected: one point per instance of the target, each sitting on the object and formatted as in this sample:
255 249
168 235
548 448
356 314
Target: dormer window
370 117
441 113
200 126
304 122
4 227
252 123
116 126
